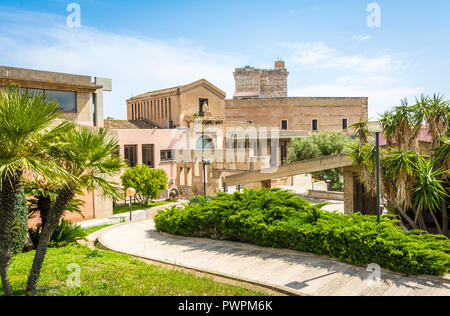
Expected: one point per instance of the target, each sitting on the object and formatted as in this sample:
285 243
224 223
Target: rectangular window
315 125
344 124
94 109
201 103
167 155
147 155
130 155
284 124
67 100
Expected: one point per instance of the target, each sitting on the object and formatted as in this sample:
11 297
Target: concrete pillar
349 187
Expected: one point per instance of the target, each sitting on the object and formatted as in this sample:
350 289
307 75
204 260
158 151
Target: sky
384 50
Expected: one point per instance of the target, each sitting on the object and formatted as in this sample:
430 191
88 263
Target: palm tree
25 131
89 156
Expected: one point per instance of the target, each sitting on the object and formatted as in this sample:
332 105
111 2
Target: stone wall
270 83
299 112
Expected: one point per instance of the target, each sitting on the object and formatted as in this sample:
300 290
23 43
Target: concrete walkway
296 272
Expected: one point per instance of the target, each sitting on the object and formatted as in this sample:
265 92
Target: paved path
302 273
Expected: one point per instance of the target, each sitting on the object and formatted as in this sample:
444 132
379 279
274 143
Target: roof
124 124
180 89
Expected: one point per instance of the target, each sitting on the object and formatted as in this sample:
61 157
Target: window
147 155
200 109
167 155
94 109
284 124
315 125
344 124
130 155
67 100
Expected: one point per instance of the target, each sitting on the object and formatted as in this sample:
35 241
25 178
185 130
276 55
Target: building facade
260 120
261 83
80 99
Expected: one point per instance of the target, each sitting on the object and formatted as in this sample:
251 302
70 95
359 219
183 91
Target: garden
279 219
45 163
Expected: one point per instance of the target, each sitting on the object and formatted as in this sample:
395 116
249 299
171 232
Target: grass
105 273
92 230
136 207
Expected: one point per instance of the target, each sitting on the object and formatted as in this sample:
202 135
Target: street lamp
205 163
131 192
375 127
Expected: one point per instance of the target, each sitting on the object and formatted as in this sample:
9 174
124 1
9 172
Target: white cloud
362 37
136 65
380 77
319 55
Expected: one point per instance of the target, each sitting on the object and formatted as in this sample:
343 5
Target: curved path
295 272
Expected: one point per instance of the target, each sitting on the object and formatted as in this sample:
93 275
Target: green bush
148 182
279 219
66 233
20 223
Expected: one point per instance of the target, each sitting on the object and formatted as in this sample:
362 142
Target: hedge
279 219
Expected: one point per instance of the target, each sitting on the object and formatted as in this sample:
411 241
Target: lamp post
205 163
131 192
375 127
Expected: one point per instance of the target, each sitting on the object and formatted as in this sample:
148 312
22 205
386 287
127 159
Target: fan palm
27 127
89 155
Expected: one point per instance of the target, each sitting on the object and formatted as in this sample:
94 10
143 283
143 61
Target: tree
414 182
148 182
318 145
27 126
20 223
88 155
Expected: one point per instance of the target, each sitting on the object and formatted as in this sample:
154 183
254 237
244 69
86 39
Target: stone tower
261 83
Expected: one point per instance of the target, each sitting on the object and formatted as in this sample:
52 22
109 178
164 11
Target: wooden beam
298 168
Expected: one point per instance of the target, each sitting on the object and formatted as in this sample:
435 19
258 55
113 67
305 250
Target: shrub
318 145
279 219
20 223
148 182
66 233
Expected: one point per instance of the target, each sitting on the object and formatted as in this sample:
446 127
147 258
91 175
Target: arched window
205 142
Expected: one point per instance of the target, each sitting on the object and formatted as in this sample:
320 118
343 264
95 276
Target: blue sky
328 47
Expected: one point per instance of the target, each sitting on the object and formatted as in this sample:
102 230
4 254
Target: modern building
81 100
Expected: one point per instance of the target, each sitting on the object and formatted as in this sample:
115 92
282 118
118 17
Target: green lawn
92 230
105 273
136 207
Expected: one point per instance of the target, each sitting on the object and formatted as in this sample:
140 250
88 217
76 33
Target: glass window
167 155
284 124
67 100
344 124
147 155
33 92
315 125
130 155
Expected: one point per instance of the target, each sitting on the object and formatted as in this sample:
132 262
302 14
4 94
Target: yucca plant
88 154
27 128
428 192
411 183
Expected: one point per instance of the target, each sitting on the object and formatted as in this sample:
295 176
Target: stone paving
299 273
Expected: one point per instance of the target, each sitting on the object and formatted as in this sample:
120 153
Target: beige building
261 83
81 100
256 125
